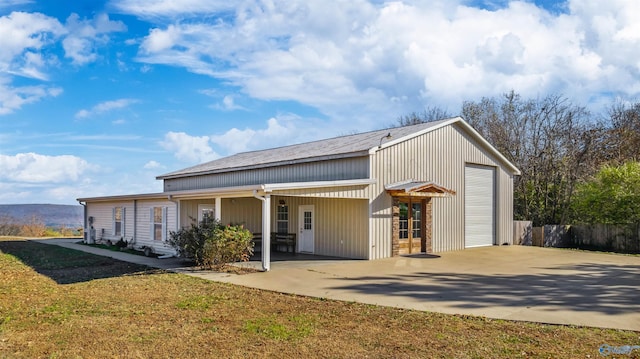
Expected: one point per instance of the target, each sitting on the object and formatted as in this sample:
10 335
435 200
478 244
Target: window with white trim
206 213
282 219
158 223
118 221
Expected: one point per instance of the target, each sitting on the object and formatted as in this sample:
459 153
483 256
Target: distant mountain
53 215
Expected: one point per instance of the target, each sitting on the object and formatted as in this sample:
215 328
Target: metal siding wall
189 210
246 211
438 156
340 224
333 170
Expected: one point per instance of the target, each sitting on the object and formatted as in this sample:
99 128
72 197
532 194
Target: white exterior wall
439 156
144 235
102 212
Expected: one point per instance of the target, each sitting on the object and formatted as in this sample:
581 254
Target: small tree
612 196
212 245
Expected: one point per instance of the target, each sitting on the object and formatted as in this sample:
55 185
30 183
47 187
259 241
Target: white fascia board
317 184
238 191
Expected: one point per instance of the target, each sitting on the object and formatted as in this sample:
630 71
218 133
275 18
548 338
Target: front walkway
509 282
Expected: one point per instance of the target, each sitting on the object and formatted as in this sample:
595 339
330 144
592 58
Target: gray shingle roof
343 146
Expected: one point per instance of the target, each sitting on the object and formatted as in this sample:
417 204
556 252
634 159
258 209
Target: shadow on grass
67 266
590 287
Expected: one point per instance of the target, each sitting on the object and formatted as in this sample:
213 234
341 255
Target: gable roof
356 145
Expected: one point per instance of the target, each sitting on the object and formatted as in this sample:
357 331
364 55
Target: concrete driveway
509 282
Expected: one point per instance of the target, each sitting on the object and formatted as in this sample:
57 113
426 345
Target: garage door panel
479 206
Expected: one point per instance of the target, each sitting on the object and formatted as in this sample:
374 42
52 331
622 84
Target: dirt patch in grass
151 314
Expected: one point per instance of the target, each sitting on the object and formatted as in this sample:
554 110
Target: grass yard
60 303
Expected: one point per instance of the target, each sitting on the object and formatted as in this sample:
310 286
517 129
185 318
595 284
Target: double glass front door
411 229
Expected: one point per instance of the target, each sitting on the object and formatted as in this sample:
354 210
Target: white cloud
360 59
226 104
22 36
37 168
186 148
84 35
171 8
279 131
152 165
13 98
106 106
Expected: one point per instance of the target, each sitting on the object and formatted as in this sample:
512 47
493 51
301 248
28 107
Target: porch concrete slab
547 285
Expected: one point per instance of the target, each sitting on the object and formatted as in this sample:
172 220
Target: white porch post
266 229
218 209
266 233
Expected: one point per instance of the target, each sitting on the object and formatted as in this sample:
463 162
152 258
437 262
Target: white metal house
430 187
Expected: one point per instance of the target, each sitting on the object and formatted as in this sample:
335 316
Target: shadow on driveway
608 289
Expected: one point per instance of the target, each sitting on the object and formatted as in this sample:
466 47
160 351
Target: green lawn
60 303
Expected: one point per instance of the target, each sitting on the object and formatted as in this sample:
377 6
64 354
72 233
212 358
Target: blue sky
99 97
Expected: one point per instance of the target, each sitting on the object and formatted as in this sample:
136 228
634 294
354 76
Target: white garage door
479 206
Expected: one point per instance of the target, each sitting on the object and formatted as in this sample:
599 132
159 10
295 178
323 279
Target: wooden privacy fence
605 237
615 238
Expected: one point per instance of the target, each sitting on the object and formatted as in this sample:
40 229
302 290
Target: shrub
212 245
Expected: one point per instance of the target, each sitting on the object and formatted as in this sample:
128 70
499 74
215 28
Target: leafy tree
612 196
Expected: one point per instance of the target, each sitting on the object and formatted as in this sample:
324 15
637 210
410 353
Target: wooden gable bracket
418 189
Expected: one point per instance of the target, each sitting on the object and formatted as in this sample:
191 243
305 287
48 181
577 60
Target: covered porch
323 218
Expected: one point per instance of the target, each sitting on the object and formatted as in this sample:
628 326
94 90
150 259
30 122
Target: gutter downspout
266 230
177 203
135 223
84 225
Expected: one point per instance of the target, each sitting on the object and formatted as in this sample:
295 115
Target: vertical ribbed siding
439 156
245 211
330 170
341 225
189 210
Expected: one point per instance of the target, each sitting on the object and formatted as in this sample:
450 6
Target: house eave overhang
229 192
264 165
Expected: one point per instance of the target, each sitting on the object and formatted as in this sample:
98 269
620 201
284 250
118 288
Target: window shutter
113 221
164 223
123 224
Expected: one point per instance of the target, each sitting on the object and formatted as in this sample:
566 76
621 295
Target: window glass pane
157 229
157 215
117 219
307 220
403 230
416 219
207 215
282 221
